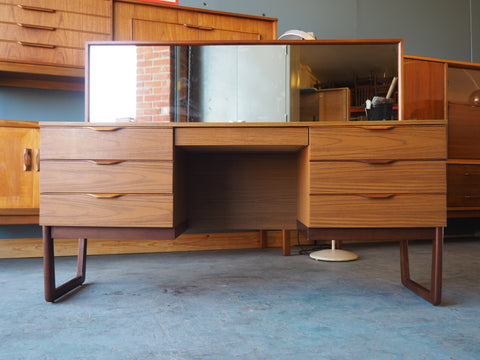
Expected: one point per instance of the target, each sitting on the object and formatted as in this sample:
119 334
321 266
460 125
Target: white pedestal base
333 254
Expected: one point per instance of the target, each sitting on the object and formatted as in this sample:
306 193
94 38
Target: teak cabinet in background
440 89
19 172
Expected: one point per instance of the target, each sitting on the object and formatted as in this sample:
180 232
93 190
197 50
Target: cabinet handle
104 128
36 27
105 196
27 159
35 8
377 162
198 27
377 196
387 127
37 159
106 162
39 45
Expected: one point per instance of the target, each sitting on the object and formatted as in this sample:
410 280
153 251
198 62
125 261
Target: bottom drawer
106 210
463 185
403 210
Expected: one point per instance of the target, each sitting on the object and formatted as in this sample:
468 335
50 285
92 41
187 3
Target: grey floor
244 304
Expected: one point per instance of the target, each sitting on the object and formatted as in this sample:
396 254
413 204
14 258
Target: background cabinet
137 21
19 172
437 89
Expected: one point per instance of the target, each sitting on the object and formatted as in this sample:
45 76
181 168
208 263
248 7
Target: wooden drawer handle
35 8
104 128
105 196
27 159
377 196
387 127
39 45
377 162
198 27
36 27
106 162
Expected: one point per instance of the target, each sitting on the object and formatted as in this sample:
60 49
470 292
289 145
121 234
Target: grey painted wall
432 28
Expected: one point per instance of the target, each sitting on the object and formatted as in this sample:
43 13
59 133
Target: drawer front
97 7
347 177
106 210
49 36
80 22
463 185
463 131
400 210
105 143
378 142
42 54
141 177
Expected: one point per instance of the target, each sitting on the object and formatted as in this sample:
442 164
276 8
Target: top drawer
378 142
106 143
97 7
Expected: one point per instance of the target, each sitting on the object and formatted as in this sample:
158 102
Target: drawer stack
106 176
52 32
375 176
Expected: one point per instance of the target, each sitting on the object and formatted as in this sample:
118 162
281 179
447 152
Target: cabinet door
18 171
424 90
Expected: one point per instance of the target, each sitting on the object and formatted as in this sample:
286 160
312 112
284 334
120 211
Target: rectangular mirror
277 81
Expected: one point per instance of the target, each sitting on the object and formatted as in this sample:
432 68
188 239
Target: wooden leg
285 243
434 295
51 291
263 239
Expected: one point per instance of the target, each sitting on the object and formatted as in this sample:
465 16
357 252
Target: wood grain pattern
424 91
463 186
378 142
118 177
347 177
463 131
122 211
400 210
116 144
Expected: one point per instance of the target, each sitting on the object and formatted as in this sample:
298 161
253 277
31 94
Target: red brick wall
154 90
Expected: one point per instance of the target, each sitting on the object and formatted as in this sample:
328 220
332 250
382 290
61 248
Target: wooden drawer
58 19
378 142
463 131
51 36
399 210
98 7
268 137
347 177
463 185
106 143
106 210
140 177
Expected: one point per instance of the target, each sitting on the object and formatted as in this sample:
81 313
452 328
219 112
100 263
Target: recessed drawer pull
104 128
106 162
467 174
35 8
377 196
377 162
39 45
198 27
105 196
36 27
27 159
388 127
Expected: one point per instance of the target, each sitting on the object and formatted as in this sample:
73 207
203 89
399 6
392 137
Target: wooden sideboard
330 180
440 89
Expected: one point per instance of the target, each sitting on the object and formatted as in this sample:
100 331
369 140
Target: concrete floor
244 304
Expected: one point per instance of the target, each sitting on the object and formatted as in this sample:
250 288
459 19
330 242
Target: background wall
434 28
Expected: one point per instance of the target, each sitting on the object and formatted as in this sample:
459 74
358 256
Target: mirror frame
397 42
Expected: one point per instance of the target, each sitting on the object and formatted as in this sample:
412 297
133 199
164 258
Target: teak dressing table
178 138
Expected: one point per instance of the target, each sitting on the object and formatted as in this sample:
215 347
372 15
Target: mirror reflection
274 82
